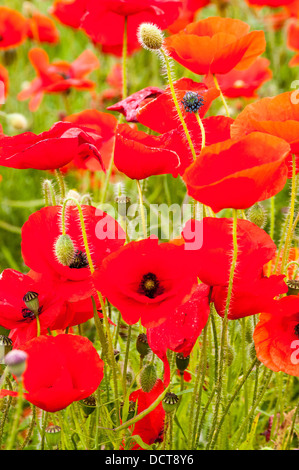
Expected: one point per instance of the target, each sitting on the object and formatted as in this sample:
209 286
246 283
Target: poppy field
149 244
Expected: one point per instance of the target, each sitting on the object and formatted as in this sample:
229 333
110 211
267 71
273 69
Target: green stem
126 360
141 209
221 95
292 211
203 132
14 430
176 103
61 184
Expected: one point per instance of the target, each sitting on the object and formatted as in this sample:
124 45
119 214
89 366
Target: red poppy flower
57 77
42 29
277 116
13 28
293 41
140 155
103 125
41 231
252 291
216 45
220 179
276 336
151 427
60 370
69 12
51 149
187 14
245 83
104 21
163 106
14 314
182 328
129 107
146 280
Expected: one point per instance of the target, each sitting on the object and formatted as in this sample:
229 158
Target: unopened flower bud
53 436
229 356
150 36
248 333
252 352
5 347
148 378
73 194
142 345
65 250
86 199
31 301
17 121
16 361
293 287
170 402
116 354
88 405
49 193
182 362
257 215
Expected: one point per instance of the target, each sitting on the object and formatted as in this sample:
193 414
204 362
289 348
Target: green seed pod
293 287
53 436
5 347
31 301
182 362
65 250
150 36
142 345
88 405
257 215
170 402
148 378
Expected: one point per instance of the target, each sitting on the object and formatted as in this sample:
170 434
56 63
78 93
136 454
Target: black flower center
150 286
28 315
192 102
79 260
296 330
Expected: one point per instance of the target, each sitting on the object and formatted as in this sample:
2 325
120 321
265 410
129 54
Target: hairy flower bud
257 215
150 36
16 361
148 378
64 250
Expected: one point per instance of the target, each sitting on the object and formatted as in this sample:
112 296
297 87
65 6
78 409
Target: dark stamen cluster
296 329
150 286
192 102
28 314
79 260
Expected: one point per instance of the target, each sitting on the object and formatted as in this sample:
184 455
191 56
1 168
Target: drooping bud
53 436
257 215
293 287
75 195
170 402
5 347
31 302
16 361
142 345
150 36
88 405
131 411
65 250
192 102
182 362
86 199
148 378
